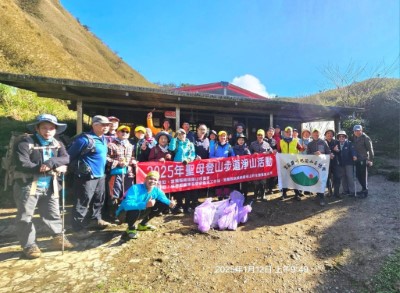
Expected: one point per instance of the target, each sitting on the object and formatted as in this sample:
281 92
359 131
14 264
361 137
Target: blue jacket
221 151
136 198
345 156
95 160
184 150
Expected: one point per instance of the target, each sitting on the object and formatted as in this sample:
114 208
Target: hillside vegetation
39 37
380 97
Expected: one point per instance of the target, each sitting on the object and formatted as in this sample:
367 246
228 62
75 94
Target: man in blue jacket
344 155
143 201
89 177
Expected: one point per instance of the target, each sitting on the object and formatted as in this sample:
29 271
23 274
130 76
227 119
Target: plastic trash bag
225 214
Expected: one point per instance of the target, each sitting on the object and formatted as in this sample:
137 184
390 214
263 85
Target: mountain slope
39 37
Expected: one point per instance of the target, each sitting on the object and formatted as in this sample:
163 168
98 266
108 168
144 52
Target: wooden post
178 117
79 116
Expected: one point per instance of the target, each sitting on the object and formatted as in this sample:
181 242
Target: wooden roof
117 96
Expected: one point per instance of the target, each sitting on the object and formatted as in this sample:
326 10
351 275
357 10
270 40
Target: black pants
146 215
271 182
362 173
296 192
88 193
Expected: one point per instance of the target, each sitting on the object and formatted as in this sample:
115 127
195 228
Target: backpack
9 161
77 166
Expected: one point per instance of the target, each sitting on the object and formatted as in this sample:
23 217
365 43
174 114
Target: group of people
103 161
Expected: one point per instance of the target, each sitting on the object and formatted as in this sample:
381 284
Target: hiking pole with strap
354 179
63 211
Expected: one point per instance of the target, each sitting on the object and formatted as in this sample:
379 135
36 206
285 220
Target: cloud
251 83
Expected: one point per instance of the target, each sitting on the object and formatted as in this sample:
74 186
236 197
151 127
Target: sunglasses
124 131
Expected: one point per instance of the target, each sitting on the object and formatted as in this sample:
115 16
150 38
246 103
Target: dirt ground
286 246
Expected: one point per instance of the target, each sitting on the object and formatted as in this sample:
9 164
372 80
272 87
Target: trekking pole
63 211
354 180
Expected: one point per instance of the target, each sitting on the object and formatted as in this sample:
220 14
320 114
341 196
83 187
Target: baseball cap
357 127
288 128
222 132
113 118
99 119
261 131
140 128
181 130
122 127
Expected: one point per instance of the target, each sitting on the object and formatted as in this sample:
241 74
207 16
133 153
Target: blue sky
270 47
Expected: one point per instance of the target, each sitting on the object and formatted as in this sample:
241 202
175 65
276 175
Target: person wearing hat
144 201
241 149
290 145
166 126
305 140
112 132
120 169
39 158
295 133
221 149
184 152
345 165
141 150
260 146
213 136
365 155
161 153
318 147
333 144
89 178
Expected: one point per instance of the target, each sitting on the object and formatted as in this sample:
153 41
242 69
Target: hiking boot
297 198
32 252
146 227
57 241
129 234
268 192
104 224
362 193
284 196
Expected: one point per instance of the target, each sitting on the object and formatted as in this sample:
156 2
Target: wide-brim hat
47 118
342 132
161 133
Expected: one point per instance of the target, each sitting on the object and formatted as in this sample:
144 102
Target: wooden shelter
218 110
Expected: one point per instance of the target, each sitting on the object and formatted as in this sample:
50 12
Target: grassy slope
354 95
41 38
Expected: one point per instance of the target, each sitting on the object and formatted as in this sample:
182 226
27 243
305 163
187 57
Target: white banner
303 172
